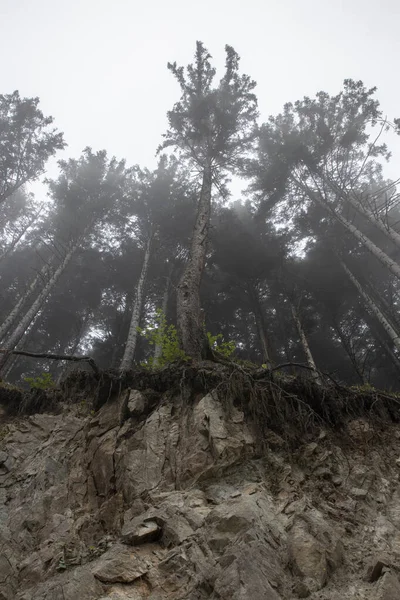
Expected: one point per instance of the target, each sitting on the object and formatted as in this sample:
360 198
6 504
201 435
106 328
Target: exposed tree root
292 406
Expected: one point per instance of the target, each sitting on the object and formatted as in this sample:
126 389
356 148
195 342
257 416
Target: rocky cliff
199 483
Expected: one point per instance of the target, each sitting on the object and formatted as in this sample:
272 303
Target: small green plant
42 382
216 343
165 336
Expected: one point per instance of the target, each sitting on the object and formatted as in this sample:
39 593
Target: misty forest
135 267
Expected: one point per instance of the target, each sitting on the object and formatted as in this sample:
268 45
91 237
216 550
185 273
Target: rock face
176 500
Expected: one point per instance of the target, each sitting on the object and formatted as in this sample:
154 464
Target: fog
99 66
139 261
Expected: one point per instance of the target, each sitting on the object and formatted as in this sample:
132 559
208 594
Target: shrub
167 337
216 343
42 382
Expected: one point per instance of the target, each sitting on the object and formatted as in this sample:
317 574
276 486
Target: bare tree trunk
392 333
130 347
377 252
304 344
190 320
164 307
29 316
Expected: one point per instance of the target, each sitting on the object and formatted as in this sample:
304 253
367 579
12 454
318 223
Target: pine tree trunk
130 347
346 347
9 366
15 359
71 351
260 325
285 337
377 252
392 333
164 307
373 248
14 314
190 320
380 300
390 233
29 316
121 337
305 346
381 340
15 242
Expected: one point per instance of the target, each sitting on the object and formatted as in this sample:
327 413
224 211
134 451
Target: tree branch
87 359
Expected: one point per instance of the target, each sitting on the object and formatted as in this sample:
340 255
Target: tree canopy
131 265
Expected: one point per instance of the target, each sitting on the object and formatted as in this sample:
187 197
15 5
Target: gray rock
120 565
374 570
388 588
102 464
74 584
136 403
308 556
6 462
141 532
250 573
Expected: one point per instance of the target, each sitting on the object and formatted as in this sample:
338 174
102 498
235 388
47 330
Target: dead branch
87 359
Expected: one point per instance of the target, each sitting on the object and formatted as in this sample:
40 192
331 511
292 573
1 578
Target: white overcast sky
99 66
